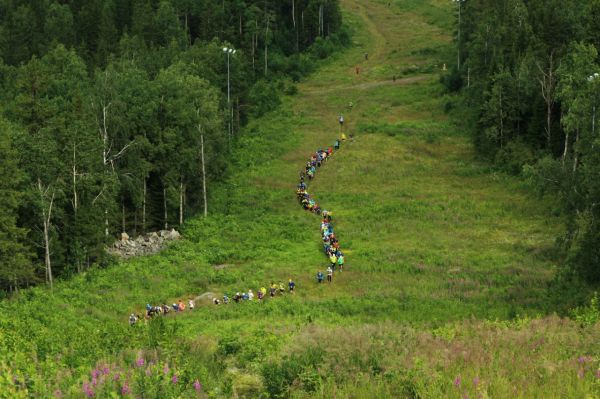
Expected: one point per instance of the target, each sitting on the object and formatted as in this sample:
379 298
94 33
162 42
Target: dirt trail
368 85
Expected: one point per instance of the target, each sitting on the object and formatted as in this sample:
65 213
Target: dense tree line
115 111
529 77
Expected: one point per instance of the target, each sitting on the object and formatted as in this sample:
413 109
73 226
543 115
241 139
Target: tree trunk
105 150
548 85
165 206
203 175
144 206
575 153
123 229
266 45
295 26
74 172
181 195
501 122
564 156
46 219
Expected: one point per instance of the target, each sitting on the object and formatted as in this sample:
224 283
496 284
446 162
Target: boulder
151 243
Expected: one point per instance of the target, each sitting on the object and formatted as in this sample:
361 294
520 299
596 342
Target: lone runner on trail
341 120
329 274
320 277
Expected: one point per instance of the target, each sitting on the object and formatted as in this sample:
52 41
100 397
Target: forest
529 76
115 114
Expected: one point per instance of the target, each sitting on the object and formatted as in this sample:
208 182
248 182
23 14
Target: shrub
263 97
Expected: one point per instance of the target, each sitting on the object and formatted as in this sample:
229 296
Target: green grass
448 262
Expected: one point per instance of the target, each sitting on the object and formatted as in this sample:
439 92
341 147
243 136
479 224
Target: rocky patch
150 243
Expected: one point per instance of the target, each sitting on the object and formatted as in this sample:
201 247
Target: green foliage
588 315
448 261
530 82
263 97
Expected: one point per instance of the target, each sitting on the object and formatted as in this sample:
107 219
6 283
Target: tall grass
445 288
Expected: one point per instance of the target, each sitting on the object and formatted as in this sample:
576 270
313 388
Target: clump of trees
530 79
115 114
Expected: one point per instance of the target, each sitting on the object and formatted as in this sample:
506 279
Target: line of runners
331 244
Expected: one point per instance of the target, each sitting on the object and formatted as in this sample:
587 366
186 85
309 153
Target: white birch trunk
266 45
74 172
203 175
181 195
46 224
144 206
165 206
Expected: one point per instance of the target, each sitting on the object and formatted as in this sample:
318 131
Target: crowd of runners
331 244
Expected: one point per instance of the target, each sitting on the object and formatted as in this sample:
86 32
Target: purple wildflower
457 381
125 390
197 386
140 362
95 373
94 381
581 359
117 377
166 369
174 379
87 390
105 370
476 381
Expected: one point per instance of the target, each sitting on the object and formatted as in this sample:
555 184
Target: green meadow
446 289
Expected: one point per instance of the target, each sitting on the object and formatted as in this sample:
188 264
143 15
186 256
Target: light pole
459 21
229 51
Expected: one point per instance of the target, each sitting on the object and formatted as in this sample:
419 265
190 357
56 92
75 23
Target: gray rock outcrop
143 245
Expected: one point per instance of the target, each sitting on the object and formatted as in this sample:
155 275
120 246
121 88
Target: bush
514 156
453 80
263 97
588 315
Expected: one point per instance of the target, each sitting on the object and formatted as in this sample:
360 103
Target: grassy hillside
445 288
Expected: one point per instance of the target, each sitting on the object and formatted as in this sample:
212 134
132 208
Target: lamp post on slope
459 2
229 52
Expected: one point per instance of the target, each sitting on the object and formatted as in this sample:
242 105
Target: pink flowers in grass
125 390
476 381
87 390
457 381
197 386
106 380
